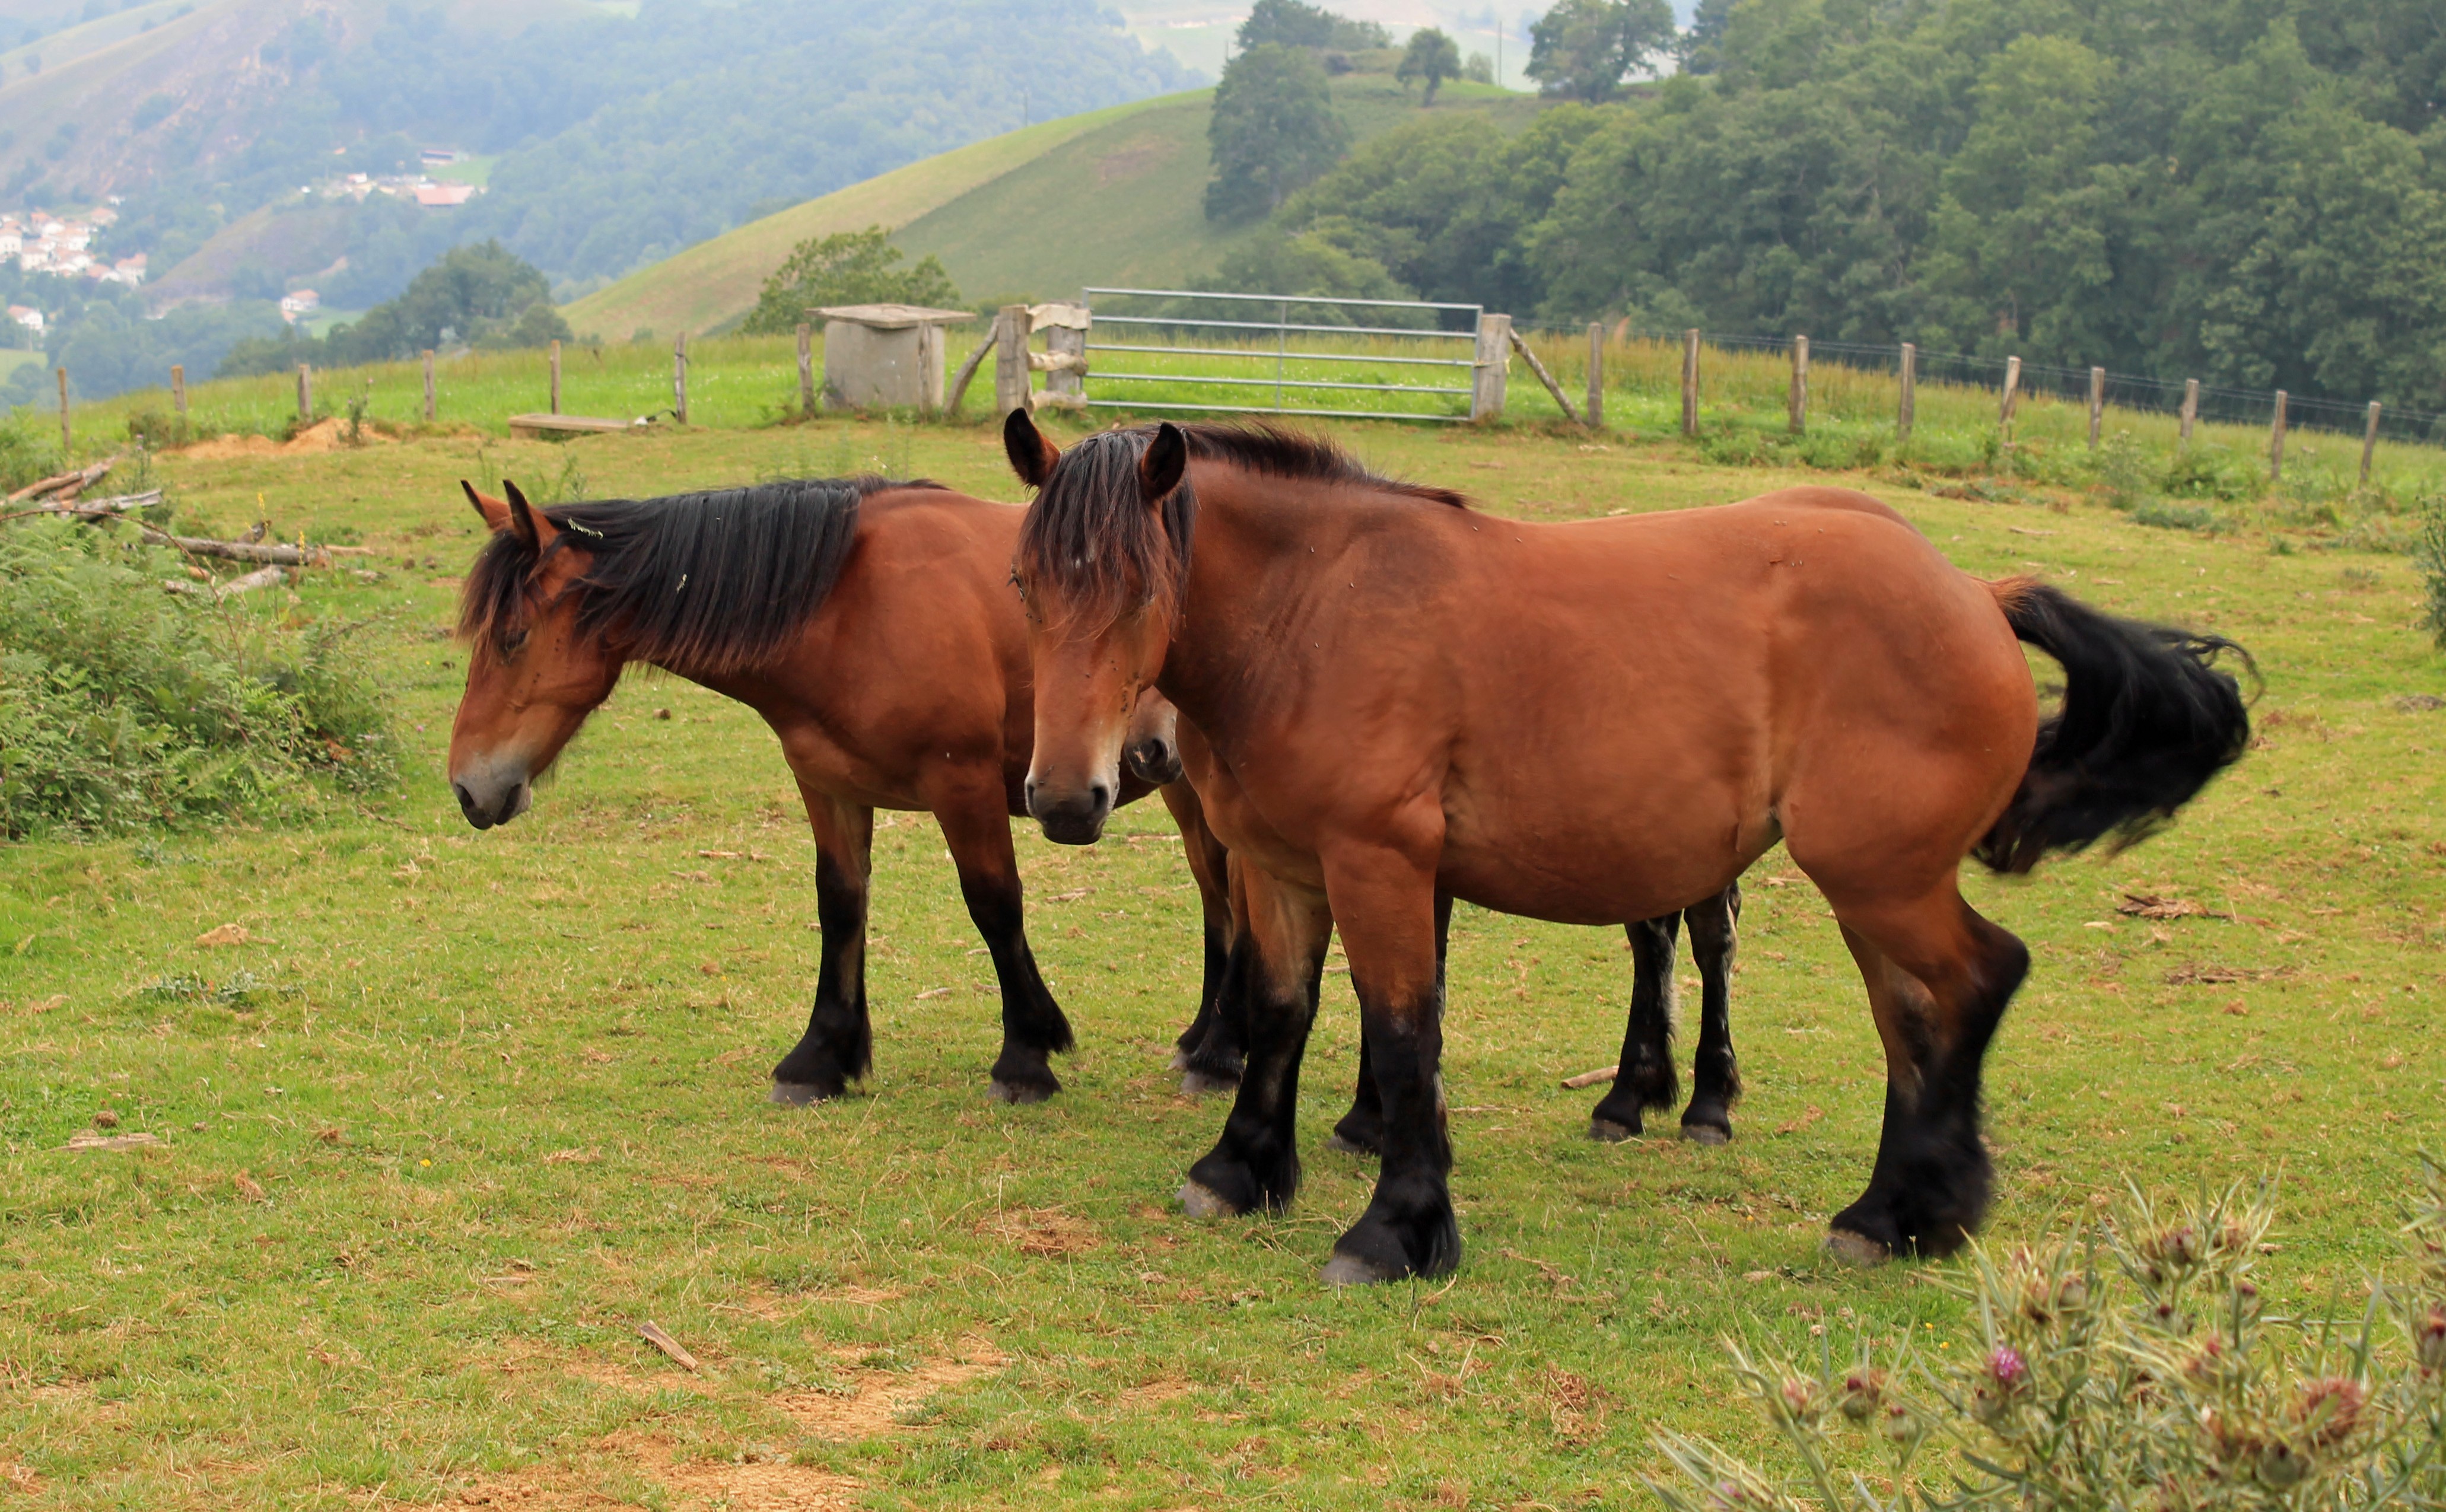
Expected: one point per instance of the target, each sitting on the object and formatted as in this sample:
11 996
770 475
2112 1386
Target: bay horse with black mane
872 625
1391 701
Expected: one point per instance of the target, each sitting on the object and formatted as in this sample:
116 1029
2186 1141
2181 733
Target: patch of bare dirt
873 1405
1043 1231
756 1484
323 435
1155 1392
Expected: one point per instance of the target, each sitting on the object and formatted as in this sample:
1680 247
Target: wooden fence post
2276 441
67 438
428 385
1906 408
679 378
1494 362
1562 402
2369 442
1596 375
959 389
806 372
2012 399
1799 403
1690 381
179 387
2097 402
2190 411
1010 359
556 378
306 392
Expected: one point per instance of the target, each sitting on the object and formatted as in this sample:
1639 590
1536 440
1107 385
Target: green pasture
459 1112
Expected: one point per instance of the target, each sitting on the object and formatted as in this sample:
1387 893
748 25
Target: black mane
706 583
1088 535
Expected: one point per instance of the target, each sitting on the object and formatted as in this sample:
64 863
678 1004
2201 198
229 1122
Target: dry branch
1590 1079
69 483
1548 379
652 1333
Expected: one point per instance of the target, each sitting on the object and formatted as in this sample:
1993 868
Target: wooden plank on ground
562 427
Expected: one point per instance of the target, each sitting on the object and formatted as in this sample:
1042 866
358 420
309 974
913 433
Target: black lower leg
1257 1162
1032 1023
1362 1129
1715 1075
838 1046
1209 1054
1645 1077
1409 1228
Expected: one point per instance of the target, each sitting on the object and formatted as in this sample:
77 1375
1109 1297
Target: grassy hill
1110 197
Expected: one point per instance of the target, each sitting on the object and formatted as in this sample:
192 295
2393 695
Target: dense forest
2252 192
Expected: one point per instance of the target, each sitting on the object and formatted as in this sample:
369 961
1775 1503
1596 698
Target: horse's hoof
1706 1134
1204 1083
1338 1140
1349 1270
801 1093
1179 1059
1019 1091
1204 1201
1606 1131
1855 1249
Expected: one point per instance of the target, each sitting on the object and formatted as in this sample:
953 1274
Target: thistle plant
2132 1366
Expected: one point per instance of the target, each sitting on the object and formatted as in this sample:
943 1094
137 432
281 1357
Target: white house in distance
295 307
27 316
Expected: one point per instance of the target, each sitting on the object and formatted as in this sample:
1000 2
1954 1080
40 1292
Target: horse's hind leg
839 1045
1645 1077
1716 1078
1362 1129
1277 960
1939 977
978 833
1209 1054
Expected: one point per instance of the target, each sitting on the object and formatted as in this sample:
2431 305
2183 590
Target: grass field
464 1109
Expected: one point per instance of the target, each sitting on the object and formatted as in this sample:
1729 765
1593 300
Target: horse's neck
1249 582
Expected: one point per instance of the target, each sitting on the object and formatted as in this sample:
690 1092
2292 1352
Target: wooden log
1010 359
562 427
2276 441
1493 365
2012 399
113 508
305 393
679 378
2190 411
1590 1079
1799 402
275 554
1064 362
806 370
969 369
555 377
178 389
428 385
69 483
1596 375
260 577
2097 402
1907 406
67 438
1546 377
2369 443
1690 381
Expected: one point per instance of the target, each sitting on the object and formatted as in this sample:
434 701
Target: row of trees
2203 188
483 295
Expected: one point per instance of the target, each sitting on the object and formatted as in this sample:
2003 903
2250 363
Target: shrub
124 706
2132 1366
2176 516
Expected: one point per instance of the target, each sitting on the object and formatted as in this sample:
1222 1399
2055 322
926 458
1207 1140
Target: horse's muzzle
1074 818
488 802
1154 759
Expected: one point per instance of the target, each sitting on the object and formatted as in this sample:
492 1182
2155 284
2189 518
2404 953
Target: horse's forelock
1090 539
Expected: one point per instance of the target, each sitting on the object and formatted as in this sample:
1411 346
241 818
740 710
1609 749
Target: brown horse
1391 701
871 623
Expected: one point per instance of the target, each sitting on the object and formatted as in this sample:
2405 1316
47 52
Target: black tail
2146 720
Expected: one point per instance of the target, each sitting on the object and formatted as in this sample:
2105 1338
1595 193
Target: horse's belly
1600 868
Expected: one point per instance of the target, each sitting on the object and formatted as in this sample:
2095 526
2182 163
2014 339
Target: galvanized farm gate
1264 330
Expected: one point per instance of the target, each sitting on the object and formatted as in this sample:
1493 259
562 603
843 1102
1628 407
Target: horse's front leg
1209 1054
1386 906
1715 1076
1362 1129
1276 962
838 1046
976 826
1646 1078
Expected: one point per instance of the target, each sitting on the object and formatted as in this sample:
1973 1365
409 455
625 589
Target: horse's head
1153 746
1100 558
533 674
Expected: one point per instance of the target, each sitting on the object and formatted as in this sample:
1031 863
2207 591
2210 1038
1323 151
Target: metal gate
1295 383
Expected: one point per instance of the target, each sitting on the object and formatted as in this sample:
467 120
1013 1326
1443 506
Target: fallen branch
652 1333
1590 1079
1548 379
71 483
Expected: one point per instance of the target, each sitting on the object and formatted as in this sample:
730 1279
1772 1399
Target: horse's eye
513 642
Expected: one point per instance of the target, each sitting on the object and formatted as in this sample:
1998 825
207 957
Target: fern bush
124 706
2133 1367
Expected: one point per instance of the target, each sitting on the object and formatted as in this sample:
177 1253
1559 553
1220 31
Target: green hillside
1107 197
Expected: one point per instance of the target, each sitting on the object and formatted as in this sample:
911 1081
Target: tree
1431 56
847 268
1290 24
1275 129
1582 48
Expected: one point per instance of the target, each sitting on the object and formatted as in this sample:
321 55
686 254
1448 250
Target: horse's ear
1160 466
493 511
1031 455
533 526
